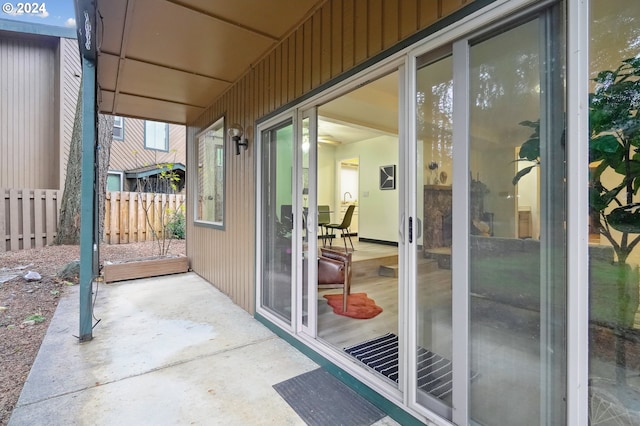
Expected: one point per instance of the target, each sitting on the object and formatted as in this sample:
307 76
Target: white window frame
216 125
118 123
152 136
120 176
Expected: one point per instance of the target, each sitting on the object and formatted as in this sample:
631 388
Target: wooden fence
29 217
130 217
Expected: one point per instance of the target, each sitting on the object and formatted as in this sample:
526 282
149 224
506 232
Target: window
114 181
156 135
118 128
210 187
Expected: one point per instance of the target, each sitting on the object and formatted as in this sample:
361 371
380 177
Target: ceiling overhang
168 60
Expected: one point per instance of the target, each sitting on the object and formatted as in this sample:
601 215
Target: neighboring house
414 112
141 150
39 80
40 74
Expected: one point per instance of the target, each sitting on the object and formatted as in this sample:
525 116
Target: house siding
130 153
27 84
39 88
340 35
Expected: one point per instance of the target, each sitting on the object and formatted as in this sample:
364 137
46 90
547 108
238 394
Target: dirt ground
26 307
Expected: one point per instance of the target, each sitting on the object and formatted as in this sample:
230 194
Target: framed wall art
388 177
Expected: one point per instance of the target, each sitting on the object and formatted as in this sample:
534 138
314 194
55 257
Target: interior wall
377 208
327 175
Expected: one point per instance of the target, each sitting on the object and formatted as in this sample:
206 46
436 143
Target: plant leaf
625 218
522 173
530 150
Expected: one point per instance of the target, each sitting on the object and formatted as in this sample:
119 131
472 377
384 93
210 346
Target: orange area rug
358 305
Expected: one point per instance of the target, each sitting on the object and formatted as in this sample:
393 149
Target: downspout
86 24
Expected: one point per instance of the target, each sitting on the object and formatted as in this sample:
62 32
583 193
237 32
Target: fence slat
52 207
38 231
3 220
14 231
27 227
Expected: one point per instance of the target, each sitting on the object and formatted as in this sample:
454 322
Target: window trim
117 118
116 173
166 136
216 124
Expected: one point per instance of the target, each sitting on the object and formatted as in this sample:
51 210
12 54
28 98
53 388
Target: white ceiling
365 113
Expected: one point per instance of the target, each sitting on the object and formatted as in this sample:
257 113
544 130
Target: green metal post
88 249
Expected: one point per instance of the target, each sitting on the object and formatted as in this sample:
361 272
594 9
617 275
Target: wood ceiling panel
275 18
137 106
167 34
105 102
108 71
153 81
113 13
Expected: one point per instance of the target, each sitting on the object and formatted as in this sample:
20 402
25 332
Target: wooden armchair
334 271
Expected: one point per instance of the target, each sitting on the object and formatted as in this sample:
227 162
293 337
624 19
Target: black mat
321 399
381 354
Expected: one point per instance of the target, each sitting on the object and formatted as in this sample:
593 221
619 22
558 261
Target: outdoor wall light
235 132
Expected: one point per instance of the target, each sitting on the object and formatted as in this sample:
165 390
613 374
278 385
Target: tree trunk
105 136
69 220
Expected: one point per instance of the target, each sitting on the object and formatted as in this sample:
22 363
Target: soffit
168 60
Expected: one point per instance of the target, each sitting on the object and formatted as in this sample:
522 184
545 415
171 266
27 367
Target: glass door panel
277 160
614 314
358 194
516 219
434 125
304 235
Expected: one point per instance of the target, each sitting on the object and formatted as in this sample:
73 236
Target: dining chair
344 226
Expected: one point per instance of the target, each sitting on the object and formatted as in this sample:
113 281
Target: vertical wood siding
339 36
27 112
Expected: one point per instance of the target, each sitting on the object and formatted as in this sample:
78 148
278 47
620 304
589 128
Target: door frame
577 24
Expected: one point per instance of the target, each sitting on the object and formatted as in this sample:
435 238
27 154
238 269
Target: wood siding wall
130 153
27 113
39 81
338 37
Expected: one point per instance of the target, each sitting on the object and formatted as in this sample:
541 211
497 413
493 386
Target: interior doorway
349 191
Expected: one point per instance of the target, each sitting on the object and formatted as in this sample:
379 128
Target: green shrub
176 227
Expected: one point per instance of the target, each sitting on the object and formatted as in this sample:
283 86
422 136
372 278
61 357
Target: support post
86 24
87 199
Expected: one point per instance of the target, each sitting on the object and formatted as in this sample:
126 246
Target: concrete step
424 266
388 271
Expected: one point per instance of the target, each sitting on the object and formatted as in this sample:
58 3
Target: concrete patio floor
168 350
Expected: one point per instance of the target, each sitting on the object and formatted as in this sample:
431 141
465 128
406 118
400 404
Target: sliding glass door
490 284
432 269
278 219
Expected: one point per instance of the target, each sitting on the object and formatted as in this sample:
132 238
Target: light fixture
235 132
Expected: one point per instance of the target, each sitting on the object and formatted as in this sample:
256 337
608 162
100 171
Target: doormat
358 305
320 399
381 354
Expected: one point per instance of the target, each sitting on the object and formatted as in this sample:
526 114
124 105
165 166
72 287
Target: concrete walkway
169 350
